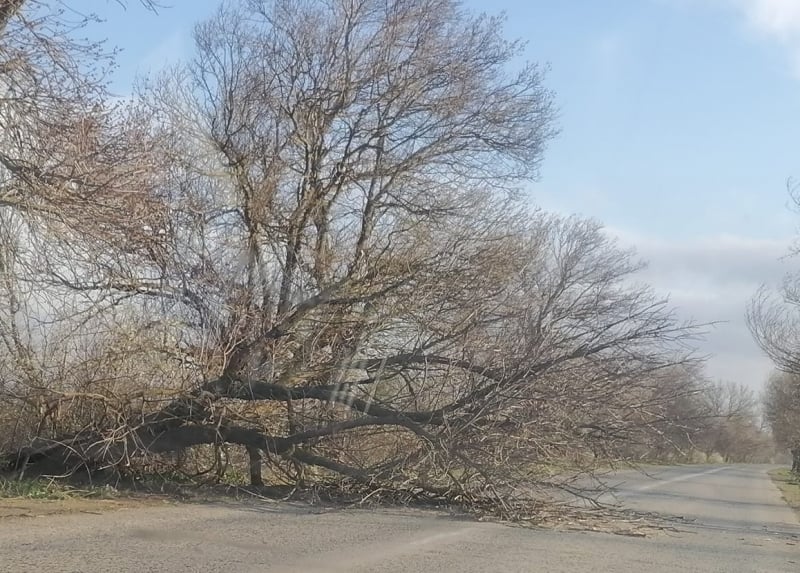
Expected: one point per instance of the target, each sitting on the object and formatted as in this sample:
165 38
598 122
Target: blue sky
679 127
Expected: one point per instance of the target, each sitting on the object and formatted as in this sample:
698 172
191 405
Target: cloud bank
711 280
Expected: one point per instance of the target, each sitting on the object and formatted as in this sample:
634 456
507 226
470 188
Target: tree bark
255 466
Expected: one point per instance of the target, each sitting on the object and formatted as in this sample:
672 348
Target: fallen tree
329 268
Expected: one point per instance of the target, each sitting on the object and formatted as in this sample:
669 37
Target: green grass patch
48 489
32 489
789 484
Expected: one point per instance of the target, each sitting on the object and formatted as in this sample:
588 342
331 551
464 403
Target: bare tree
73 172
775 324
773 316
782 412
774 321
730 426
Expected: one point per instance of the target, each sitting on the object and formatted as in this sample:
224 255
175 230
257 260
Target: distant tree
782 412
731 427
774 320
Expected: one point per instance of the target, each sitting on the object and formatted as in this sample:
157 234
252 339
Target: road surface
727 519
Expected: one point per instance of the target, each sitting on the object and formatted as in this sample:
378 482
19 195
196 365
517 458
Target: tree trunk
255 466
796 460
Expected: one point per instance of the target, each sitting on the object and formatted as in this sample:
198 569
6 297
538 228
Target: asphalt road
726 519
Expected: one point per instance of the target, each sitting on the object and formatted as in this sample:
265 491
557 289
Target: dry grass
38 497
789 484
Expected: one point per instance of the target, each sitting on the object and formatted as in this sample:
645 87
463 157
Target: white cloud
779 17
776 19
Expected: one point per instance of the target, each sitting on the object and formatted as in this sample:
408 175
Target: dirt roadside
11 508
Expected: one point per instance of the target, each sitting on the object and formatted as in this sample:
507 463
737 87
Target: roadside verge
789 484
